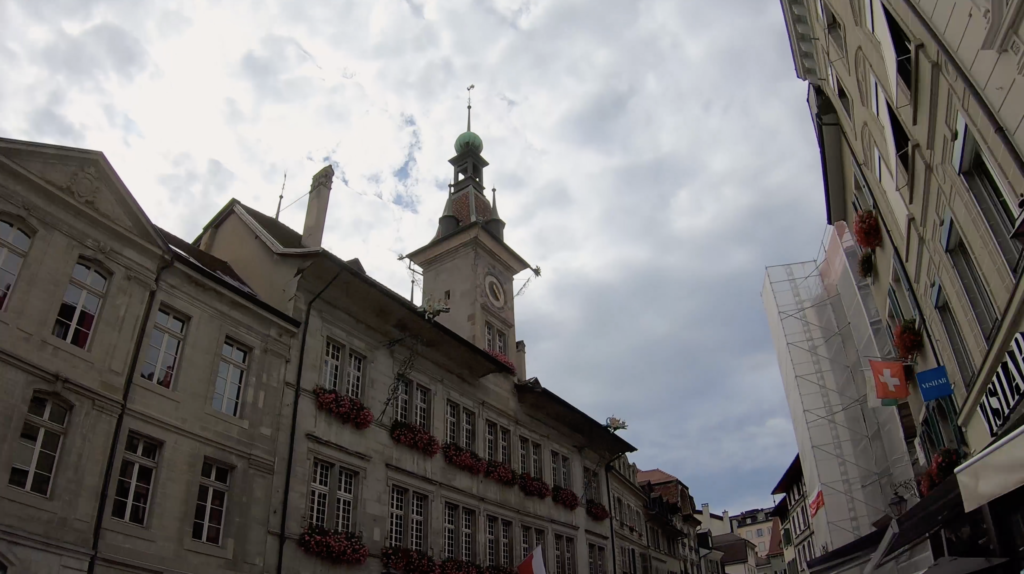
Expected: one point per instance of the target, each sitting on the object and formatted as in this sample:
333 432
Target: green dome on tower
469 141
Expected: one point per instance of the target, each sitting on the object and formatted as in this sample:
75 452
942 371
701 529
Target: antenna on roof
469 104
281 197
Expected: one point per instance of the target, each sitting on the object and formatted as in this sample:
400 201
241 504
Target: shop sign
1004 393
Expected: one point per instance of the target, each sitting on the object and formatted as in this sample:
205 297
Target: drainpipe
611 508
129 379
295 416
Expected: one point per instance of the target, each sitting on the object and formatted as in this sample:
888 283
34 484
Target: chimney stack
316 208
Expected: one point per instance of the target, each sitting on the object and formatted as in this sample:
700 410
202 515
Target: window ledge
30 498
126 528
225 550
227 418
62 345
157 389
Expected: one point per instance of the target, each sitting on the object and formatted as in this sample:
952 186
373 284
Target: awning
993 472
958 565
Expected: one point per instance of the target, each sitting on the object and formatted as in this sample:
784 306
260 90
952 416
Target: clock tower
467 265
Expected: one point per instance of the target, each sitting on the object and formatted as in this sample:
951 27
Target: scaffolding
826 327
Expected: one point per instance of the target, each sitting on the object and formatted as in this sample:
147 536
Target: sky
650 156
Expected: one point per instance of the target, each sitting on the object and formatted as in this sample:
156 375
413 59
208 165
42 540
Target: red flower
908 340
533 486
415 437
409 561
336 546
456 566
463 458
565 497
504 359
867 230
597 511
501 472
348 410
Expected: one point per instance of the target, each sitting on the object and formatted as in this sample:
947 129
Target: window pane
29 433
45 462
80 272
197 528
97 280
149 450
213 534
58 414
19 477
40 483
207 471
221 475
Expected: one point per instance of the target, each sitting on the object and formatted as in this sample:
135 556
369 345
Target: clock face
495 293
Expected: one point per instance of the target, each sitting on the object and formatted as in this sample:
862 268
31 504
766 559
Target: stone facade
228 461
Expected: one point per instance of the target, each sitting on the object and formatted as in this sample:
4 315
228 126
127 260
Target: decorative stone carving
860 70
323 178
84 185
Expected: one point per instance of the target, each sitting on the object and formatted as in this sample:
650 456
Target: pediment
85 179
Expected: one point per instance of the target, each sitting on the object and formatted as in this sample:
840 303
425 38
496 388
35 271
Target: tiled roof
209 262
733 548
284 235
775 544
654 476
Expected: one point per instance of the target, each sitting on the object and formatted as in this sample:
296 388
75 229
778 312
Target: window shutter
947 228
958 143
936 293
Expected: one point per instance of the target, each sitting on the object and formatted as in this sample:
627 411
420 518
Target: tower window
448 295
495 339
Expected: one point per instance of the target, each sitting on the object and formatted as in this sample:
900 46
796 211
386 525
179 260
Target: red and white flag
817 502
534 563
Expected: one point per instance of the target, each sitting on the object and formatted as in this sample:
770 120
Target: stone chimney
705 509
725 519
316 208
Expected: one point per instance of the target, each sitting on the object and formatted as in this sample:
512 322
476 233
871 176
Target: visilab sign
1004 393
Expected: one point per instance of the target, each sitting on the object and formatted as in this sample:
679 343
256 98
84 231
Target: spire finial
494 197
469 105
450 186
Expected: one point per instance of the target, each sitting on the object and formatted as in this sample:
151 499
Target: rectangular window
995 204
532 538
327 482
497 445
135 480
213 495
402 401
468 429
164 347
903 47
970 278
460 427
596 558
869 15
506 543
834 28
900 140
492 540
504 449
954 336
227 396
14 244
342 366
489 336
417 521
396 519
82 298
560 470
451 423
502 342
458 532
538 470
492 439
35 454
495 339
421 413
524 454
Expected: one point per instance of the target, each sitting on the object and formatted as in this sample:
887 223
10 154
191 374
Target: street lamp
898 505
898 502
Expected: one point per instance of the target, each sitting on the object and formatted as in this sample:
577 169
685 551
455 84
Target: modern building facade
213 404
917 109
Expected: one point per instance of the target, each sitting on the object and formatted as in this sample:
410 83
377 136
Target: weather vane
469 105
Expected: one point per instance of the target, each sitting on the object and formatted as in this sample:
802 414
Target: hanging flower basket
415 437
565 497
463 458
597 511
866 264
943 464
867 230
504 359
409 561
348 410
908 340
456 566
533 486
501 473
334 545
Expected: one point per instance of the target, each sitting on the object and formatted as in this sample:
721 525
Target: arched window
14 243
82 298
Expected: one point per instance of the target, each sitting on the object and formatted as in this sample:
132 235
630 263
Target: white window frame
212 484
9 252
530 538
86 288
343 365
139 461
459 531
869 15
167 333
407 518
460 425
412 404
332 497
495 338
43 425
233 364
561 469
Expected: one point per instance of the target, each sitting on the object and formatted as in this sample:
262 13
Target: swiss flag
533 564
889 380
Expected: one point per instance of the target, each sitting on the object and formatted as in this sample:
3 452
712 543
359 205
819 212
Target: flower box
456 566
866 264
415 437
867 230
597 511
463 458
348 410
533 486
504 359
565 497
908 340
499 569
501 473
335 546
943 464
408 561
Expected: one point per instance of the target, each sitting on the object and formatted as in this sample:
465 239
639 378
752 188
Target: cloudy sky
652 157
